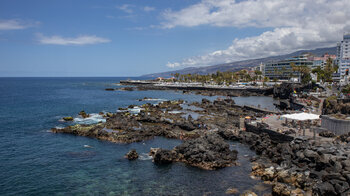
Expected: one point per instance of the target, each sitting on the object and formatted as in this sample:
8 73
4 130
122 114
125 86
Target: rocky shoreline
173 119
207 152
297 167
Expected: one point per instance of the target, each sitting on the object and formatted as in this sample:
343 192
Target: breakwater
153 85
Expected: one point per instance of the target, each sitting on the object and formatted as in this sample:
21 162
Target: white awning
302 116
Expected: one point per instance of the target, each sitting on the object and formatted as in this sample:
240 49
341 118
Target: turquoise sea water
36 162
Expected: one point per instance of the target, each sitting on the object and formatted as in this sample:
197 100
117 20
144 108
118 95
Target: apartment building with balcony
283 70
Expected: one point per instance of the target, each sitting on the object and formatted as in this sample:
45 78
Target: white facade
345 47
343 55
344 67
262 68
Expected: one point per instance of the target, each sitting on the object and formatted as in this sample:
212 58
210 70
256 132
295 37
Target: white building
283 69
262 68
343 55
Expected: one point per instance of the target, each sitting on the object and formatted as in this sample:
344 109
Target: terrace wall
337 126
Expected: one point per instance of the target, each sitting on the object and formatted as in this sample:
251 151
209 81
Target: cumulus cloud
296 24
80 40
148 9
15 24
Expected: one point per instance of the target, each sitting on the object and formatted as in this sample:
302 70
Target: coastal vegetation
220 78
326 73
302 72
346 89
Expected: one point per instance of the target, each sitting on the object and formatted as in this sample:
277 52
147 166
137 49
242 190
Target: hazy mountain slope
234 66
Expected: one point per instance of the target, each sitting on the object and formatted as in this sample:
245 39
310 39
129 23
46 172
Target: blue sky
134 37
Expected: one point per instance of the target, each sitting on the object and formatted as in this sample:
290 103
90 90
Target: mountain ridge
238 65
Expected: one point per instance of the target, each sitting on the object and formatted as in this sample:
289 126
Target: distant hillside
238 65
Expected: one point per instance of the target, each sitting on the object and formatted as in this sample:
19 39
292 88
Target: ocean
35 161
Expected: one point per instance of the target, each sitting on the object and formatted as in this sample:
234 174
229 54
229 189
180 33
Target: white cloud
15 24
126 8
296 24
148 9
80 40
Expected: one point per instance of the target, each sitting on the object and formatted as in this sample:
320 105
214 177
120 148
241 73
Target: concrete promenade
196 86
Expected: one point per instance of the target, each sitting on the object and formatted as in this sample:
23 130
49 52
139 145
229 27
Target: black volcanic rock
68 118
208 152
327 134
132 155
84 114
283 91
163 156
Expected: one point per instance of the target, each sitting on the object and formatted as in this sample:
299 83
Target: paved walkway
275 124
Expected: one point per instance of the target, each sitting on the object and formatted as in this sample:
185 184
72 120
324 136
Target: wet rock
144 99
126 89
132 155
131 106
68 118
153 151
109 89
109 115
232 191
83 114
162 156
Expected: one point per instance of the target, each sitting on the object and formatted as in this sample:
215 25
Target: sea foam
144 157
92 119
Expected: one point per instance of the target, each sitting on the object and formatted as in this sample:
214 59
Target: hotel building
282 70
343 55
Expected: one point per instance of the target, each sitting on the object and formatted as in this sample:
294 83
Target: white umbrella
302 116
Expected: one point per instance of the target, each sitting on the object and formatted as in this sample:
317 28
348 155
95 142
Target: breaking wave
92 119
